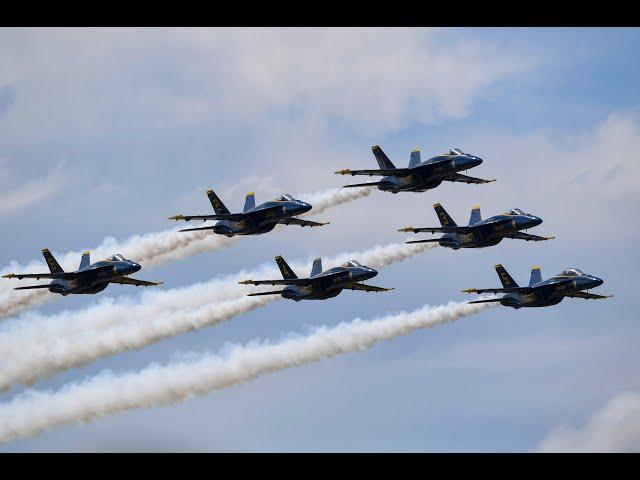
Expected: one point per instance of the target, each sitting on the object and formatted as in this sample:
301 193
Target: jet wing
499 290
226 216
527 237
366 288
281 281
457 177
368 184
590 296
133 281
302 223
56 275
398 172
437 229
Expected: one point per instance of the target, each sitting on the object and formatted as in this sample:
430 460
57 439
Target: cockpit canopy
456 151
117 258
572 272
515 211
352 263
286 198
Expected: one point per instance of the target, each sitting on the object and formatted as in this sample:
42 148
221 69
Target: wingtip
9 275
342 172
246 282
469 290
176 217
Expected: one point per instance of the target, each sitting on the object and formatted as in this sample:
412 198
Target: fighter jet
253 220
320 285
89 278
419 176
480 233
572 282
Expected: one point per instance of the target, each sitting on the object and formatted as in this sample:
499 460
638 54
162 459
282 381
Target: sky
107 132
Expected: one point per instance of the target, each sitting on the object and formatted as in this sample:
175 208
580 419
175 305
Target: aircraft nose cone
472 162
535 221
597 281
305 207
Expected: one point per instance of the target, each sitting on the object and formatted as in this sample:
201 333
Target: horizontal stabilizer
273 292
428 240
370 184
195 229
32 287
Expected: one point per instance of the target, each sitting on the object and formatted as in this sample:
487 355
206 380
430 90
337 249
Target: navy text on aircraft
253 220
89 278
572 282
480 233
419 176
320 285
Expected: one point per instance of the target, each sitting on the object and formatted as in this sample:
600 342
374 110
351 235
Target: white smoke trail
151 249
37 351
33 412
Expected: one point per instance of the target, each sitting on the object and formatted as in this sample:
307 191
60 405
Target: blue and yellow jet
480 233
419 176
253 220
572 282
88 279
320 285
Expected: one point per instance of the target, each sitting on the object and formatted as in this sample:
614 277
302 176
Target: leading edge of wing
397 172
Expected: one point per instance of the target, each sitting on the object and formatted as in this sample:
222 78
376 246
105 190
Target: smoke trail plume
33 412
49 345
151 249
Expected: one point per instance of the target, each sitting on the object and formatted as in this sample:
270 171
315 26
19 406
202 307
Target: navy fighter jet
253 220
572 282
419 176
320 285
89 278
480 233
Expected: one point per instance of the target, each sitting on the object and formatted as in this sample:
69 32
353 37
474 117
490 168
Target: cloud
35 190
613 428
367 79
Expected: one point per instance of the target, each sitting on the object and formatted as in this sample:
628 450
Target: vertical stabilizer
317 267
249 201
536 275
217 204
443 216
54 266
383 161
415 158
475 215
505 278
285 269
85 261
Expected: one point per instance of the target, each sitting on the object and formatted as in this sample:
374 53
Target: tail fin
536 275
217 204
317 267
383 161
445 219
475 215
505 278
415 158
285 269
85 261
249 201
54 266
